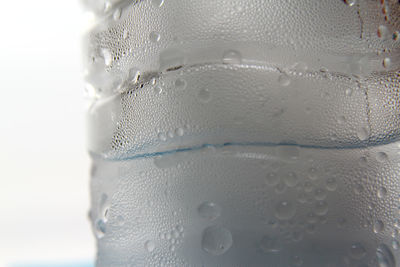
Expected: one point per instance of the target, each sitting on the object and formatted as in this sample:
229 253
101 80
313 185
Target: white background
44 181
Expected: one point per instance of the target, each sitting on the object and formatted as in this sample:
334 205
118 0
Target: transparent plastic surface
245 133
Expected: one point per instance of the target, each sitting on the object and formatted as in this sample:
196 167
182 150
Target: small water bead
312 173
179 228
386 62
179 131
382 192
331 184
168 236
308 187
362 133
297 261
280 188
204 95
117 14
157 90
291 179
321 207
382 31
209 210
120 220
341 119
100 227
396 223
350 2
384 256
154 37
285 210
170 134
395 244
378 226
348 91
272 179
149 245
297 235
311 228
312 218
162 137
381 157
270 244
320 194
358 189
157 3
125 34
396 36
107 56
284 80
180 84
357 251
301 197
216 240
288 152
231 57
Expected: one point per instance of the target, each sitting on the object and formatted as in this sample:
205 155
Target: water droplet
350 2
378 226
172 248
385 256
179 131
170 134
180 84
396 36
297 261
157 90
323 219
125 34
395 244
100 227
358 189
291 179
341 222
357 251
280 188
209 210
154 37
272 179
284 79
216 240
341 119
382 32
171 58
308 187
285 210
107 56
381 157
270 244
288 152
321 207
168 236
149 246
397 223
204 95
382 192
297 236
157 3
232 57
179 228
117 14
312 218
301 197
312 173
120 220
311 228
348 91
386 62
107 6
362 133
331 184
162 137
133 75
320 194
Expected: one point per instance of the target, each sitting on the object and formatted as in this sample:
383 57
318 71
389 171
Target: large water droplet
157 3
285 210
321 207
232 57
320 194
386 62
209 210
357 251
204 95
154 37
216 240
385 256
291 179
378 226
179 131
149 246
107 56
395 244
382 192
350 2
270 244
382 32
117 14
162 137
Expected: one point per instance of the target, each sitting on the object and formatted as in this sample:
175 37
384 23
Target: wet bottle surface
245 133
